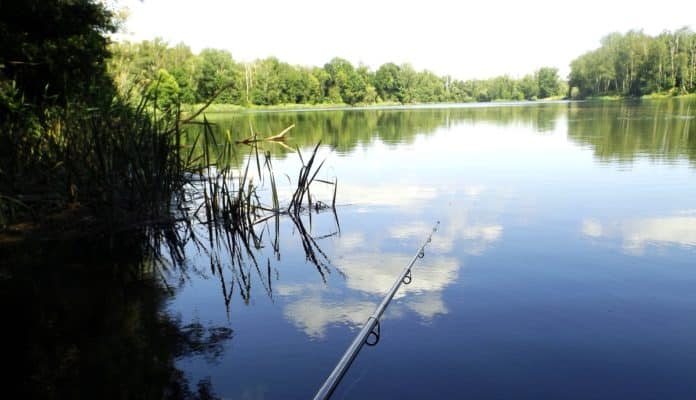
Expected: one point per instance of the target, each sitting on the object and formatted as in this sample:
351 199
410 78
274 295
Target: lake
563 266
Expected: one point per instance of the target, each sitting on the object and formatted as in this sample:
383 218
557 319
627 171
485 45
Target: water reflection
374 273
314 309
346 130
387 195
624 131
313 314
500 190
638 234
88 320
369 267
472 237
616 131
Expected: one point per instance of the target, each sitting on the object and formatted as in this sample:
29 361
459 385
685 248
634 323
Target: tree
323 78
217 69
529 87
429 88
636 64
548 82
350 85
55 50
181 63
164 90
388 82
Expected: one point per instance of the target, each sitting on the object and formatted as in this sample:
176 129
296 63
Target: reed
114 162
232 221
135 167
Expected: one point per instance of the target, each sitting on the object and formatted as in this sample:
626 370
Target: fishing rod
371 329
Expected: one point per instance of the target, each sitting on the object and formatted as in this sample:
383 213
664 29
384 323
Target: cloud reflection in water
639 233
369 272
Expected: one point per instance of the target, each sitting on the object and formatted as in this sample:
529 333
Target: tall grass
237 211
116 163
123 166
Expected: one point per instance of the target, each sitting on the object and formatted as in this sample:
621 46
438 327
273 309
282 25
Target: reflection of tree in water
623 130
615 130
87 320
346 129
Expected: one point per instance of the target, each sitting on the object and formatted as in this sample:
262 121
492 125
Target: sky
464 39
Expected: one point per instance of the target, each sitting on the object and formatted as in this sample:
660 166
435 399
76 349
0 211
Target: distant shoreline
228 108
222 108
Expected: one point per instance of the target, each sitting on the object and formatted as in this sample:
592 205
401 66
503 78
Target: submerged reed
230 215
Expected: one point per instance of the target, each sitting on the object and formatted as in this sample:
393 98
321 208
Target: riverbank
220 108
651 96
226 108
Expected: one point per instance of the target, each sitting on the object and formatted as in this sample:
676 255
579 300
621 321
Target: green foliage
660 129
216 69
350 84
55 50
388 84
165 91
66 139
529 87
548 82
271 82
635 64
122 164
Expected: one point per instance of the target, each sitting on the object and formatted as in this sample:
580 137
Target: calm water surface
563 267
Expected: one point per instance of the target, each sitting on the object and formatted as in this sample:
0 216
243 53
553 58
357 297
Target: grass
114 164
119 170
651 96
79 171
667 95
233 219
225 108
219 108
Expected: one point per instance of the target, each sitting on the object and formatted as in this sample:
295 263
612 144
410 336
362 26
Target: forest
626 64
637 64
194 78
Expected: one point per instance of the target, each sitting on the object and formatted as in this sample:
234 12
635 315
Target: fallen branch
275 138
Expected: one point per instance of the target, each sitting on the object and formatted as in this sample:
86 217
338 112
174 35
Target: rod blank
345 362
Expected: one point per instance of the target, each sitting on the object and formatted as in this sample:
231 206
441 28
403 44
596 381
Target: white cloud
592 227
370 195
375 273
350 242
669 230
639 233
369 271
475 235
310 310
313 316
474 191
428 305
389 195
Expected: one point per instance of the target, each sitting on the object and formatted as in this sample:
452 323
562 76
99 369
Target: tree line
635 64
191 78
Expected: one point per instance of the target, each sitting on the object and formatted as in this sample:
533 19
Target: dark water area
563 267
